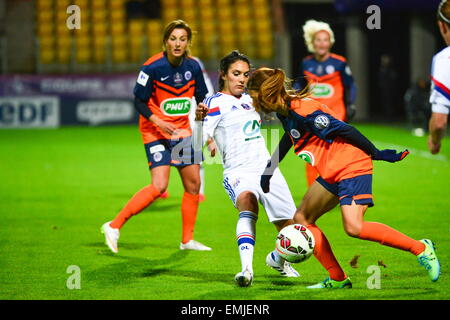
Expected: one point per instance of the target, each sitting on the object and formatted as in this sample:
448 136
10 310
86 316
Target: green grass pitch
59 186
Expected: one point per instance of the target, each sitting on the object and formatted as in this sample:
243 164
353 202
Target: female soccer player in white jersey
232 122
440 79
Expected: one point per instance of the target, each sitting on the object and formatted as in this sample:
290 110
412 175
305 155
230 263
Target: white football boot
284 268
194 245
244 278
111 236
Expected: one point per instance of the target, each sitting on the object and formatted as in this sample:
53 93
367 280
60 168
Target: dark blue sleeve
144 83
201 90
349 84
327 128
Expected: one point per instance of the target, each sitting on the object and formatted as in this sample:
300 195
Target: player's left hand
351 112
201 111
390 155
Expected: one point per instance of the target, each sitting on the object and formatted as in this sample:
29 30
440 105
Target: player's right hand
265 183
201 111
166 127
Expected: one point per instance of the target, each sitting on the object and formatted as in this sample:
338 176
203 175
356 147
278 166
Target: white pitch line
420 153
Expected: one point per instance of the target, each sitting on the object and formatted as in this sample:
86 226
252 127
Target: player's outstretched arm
283 147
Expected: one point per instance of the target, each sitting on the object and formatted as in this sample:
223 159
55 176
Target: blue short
358 189
177 153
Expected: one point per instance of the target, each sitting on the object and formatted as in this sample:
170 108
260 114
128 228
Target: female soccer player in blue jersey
163 92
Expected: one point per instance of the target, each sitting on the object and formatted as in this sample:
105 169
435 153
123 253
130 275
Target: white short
278 203
439 108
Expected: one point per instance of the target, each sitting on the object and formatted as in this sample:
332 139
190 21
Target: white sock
245 233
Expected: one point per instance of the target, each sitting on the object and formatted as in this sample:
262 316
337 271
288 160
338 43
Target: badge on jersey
321 122
307 156
176 106
142 78
295 133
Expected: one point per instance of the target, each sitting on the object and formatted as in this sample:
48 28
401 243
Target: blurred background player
330 76
440 83
343 157
210 88
233 123
417 106
163 93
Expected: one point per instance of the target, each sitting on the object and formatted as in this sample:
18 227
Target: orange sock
141 200
189 207
311 174
323 253
387 236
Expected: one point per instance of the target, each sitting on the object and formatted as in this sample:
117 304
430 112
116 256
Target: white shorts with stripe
278 203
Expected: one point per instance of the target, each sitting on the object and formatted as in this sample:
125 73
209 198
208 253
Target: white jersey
234 125
440 82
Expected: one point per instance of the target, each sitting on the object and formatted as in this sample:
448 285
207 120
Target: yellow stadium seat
119 41
117 4
205 4
222 4
154 27
83 4
98 15
189 15
242 13
206 14
154 49
98 4
99 29
63 55
63 42
170 14
62 30
224 14
99 56
169 3
99 43
45 16
82 42
261 12
62 4
117 29
117 16
45 29
47 55
119 55
136 27
265 52
44 4
83 55
47 42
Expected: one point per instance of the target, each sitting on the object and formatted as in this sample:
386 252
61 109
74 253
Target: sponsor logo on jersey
188 75
176 106
322 90
251 127
142 78
307 156
321 122
164 78
295 133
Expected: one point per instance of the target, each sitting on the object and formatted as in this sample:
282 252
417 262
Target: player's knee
352 229
161 186
247 200
303 218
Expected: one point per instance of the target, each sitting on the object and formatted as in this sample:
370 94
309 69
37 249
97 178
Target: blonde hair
177 24
310 28
271 90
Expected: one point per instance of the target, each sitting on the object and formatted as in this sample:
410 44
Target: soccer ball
295 243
